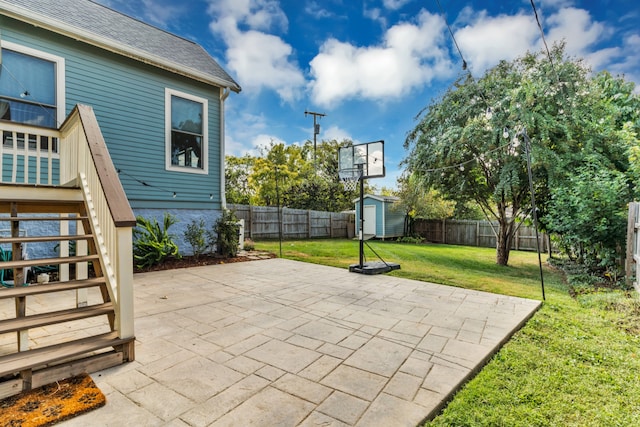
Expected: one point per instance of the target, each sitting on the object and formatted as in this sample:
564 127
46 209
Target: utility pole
316 131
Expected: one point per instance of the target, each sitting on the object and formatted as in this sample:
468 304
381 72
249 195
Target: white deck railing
76 155
29 154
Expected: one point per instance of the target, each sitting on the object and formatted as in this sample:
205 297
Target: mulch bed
52 403
208 259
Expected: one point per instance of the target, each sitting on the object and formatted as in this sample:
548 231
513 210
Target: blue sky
372 65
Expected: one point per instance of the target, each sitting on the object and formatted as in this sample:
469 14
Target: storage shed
380 219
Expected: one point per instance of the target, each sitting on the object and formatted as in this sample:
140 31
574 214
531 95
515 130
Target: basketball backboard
370 155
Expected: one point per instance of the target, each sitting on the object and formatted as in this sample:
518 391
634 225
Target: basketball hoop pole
361 231
355 164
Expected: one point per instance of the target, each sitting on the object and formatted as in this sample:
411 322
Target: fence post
444 231
631 232
251 222
331 225
308 223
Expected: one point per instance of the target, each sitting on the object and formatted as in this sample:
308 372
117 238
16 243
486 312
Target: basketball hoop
350 178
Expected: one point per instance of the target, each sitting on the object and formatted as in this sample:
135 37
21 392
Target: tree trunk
503 242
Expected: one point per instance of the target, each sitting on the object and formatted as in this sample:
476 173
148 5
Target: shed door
369 220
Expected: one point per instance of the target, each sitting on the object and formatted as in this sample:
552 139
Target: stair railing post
82 268
124 276
18 280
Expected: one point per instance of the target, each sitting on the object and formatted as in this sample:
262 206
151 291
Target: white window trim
60 74
168 93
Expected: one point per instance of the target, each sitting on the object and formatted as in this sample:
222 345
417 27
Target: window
186 132
28 89
32 92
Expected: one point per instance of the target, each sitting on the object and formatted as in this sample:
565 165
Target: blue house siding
128 98
7 168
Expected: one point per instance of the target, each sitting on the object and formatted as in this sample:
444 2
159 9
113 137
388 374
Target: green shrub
152 242
226 231
195 236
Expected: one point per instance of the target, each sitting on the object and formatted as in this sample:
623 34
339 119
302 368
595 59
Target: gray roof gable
98 25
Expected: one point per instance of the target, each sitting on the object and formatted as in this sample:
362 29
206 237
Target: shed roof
108 29
378 197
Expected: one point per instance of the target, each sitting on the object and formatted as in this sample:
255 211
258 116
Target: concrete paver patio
284 343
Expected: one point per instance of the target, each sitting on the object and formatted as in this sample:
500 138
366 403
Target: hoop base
374 267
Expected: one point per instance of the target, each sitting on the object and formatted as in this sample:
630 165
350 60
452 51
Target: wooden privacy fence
264 222
476 233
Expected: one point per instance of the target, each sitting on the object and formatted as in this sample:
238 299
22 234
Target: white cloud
161 13
485 40
264 140
257 58
336 133
314 9
410 56
375 14
554 4
628 62
261 60
242 128
488 39
394 4
261 15
576 27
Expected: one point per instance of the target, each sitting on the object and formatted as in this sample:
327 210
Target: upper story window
186 132
28 89
32 92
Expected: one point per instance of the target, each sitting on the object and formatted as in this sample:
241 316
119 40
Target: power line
444 16
475 159
146 184
544 40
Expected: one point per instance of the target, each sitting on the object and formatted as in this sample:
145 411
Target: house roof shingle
98 25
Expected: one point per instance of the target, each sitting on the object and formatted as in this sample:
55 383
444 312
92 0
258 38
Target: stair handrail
85 161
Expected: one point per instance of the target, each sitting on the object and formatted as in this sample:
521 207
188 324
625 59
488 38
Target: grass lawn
575 363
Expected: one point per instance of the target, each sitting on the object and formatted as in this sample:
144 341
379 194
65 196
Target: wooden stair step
41 199
48 356
38 239
52 318
22 291
42 218
23 263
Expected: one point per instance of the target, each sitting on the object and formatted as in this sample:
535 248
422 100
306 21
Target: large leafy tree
321 189
418 201
459 148
295 174
470 143
278 168
588 208
236 174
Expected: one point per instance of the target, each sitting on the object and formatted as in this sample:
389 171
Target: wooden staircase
67 326
63 179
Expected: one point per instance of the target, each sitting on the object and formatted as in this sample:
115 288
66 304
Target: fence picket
261 222
474 233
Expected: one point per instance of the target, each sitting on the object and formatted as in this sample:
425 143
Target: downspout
224 94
